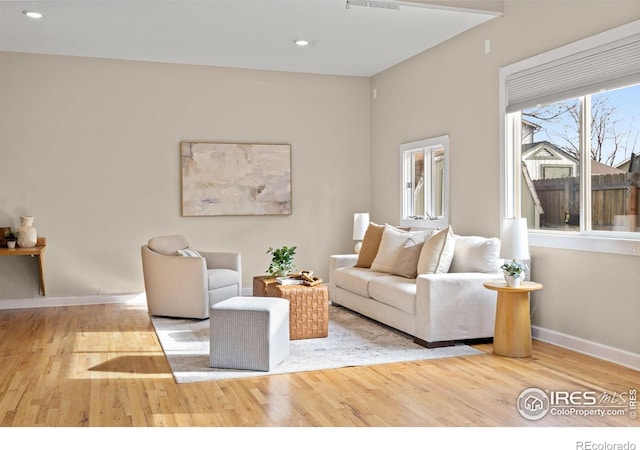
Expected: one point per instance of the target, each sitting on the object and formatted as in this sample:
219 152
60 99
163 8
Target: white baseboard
43 302
614 355
247 292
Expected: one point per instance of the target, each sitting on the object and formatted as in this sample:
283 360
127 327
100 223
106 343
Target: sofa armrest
455 306
339 261
222 260
175 285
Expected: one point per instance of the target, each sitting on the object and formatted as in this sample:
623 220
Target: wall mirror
425 183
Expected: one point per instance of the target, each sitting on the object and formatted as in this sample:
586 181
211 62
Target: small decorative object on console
10 237
308 278
514 272
304 277
288 281
27 233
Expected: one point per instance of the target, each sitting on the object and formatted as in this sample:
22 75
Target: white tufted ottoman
249 333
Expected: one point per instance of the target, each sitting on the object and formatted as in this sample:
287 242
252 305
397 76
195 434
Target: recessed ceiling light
301 42
32 14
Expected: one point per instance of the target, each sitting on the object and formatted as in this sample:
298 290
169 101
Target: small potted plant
514 272
281 261
10 237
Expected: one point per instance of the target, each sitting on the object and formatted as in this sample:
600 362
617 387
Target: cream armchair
182 282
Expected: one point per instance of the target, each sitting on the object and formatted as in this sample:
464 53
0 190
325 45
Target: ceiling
259 34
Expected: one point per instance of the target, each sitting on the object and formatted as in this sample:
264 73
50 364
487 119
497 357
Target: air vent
373 4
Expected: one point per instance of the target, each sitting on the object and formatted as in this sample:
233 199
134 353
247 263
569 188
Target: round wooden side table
512 333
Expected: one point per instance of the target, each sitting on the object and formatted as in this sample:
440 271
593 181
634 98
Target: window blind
609 66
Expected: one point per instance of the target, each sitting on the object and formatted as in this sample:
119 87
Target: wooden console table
38 251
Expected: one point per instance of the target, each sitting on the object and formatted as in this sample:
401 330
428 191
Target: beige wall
453 89
90 148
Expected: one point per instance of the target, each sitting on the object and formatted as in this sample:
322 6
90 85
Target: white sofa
438 309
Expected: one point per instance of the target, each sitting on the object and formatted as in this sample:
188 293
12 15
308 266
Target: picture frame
235 179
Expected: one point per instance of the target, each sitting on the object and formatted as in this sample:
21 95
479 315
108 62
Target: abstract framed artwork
226 179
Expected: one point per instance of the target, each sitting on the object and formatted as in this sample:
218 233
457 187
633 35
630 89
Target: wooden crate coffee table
308 306
260 284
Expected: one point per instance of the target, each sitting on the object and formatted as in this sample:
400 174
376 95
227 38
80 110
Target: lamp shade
514 239
360 225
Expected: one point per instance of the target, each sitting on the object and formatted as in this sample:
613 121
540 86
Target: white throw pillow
189 252
390 246
437 252
476 254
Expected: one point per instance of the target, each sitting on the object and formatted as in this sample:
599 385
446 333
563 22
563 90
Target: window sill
617 244
435 224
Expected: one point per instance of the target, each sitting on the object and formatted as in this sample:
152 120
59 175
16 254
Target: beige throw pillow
406 264
390 245
370 244
437 253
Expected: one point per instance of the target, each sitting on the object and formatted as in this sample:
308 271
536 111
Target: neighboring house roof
535 126
597 168
528 130
626 165
545 150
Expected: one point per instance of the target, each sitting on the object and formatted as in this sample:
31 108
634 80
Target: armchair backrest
168 245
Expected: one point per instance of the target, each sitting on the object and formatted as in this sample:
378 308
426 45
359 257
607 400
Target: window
571 140
425 168
553 171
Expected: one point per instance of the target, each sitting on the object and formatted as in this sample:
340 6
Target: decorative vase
513 281
11 244
27 234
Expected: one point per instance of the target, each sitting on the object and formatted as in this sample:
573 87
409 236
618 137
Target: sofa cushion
370 244
437 252
355 279
395 291
390 245
218 278
168 245
476 254
406 263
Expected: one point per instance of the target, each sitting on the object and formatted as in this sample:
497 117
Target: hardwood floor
102 365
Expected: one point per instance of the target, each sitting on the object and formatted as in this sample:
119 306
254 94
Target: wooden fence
614 201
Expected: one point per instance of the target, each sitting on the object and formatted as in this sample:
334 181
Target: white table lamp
360 225
514 246
514 239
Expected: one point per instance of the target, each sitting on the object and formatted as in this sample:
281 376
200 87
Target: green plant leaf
281 260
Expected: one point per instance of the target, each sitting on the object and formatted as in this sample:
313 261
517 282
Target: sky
627 103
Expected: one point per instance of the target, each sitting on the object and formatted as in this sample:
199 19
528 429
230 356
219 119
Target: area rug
353 340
